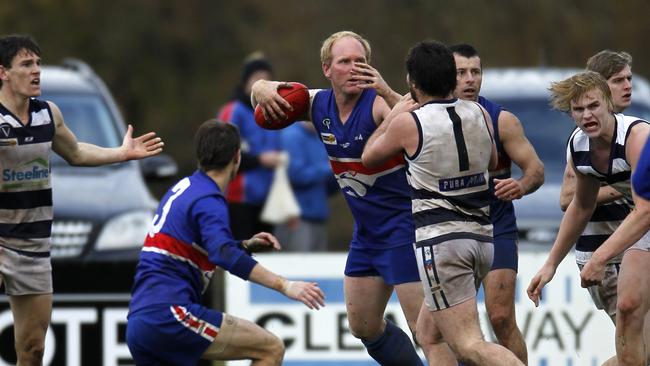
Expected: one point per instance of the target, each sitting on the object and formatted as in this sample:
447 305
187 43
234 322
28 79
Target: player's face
468 77
591 114
345 52
621 86
24 75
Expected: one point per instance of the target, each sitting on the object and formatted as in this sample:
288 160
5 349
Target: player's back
448 173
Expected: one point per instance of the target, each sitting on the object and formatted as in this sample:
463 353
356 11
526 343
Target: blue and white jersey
189 236
379 198
502 213
448 173
607 217
25 187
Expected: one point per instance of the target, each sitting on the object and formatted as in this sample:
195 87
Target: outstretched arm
520 150
573 223
74 152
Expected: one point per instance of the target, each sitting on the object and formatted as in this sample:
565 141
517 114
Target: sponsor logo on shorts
8 142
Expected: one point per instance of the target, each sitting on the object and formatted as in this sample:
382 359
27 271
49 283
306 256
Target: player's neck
16 104
345 104
221 177
424 99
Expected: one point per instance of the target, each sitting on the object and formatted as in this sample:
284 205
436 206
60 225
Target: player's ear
326 70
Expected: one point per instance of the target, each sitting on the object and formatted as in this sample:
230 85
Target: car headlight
125 231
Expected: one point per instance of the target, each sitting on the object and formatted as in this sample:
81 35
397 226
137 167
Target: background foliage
171 64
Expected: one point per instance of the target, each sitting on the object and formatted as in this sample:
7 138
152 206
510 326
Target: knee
501 319
365 329
629 305
275 350
30 352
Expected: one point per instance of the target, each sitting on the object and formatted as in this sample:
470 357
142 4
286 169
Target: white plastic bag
281 204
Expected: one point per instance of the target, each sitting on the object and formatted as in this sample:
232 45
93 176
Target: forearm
532 179
266 278
607 194
635 225
573 223
93 155
390 96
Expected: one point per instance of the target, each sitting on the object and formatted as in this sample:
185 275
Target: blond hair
570 90
326 48
608 62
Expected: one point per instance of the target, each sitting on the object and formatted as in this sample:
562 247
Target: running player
189 237
604 150
512 146
449 147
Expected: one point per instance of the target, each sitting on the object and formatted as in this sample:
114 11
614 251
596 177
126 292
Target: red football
298 96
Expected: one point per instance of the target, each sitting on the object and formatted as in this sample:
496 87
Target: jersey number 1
463 158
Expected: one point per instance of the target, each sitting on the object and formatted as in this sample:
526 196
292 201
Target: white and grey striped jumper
25 187
448 173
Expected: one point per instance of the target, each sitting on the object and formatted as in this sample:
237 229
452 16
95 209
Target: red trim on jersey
339 167
235 190
225 113
176 247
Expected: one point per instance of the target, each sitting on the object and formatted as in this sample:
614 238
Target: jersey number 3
159 221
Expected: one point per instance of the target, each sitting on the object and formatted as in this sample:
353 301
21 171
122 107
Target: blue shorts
395 265
506 254
171 334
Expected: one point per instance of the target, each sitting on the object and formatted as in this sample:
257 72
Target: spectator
312 182
260 153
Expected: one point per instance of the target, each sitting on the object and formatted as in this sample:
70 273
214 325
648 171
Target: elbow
368 160
564 205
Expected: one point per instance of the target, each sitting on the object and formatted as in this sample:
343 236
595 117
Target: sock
393 348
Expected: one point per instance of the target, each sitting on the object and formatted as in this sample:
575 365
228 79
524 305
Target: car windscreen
88 117
548 130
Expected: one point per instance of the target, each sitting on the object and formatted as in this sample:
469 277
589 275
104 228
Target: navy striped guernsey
448 173
606 218
25 187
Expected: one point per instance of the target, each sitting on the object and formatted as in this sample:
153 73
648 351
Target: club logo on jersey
328 138
6 129
327 122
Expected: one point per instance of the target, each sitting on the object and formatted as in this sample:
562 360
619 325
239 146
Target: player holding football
189 237
381 256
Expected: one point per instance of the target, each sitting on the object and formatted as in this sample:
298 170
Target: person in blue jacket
189 237
312 182
260 152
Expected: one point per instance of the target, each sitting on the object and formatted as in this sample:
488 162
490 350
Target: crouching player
190 236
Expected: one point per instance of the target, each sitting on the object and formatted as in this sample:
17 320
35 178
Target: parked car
524 91
100 213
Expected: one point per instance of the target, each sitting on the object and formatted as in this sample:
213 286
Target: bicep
64 142
514 141
380 110
635 143
586 191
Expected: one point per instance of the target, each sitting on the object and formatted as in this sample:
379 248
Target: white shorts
25 274
452 271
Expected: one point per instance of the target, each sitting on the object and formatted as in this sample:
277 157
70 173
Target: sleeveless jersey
448 173
25 187
378 197
189 237
502 213
606 218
